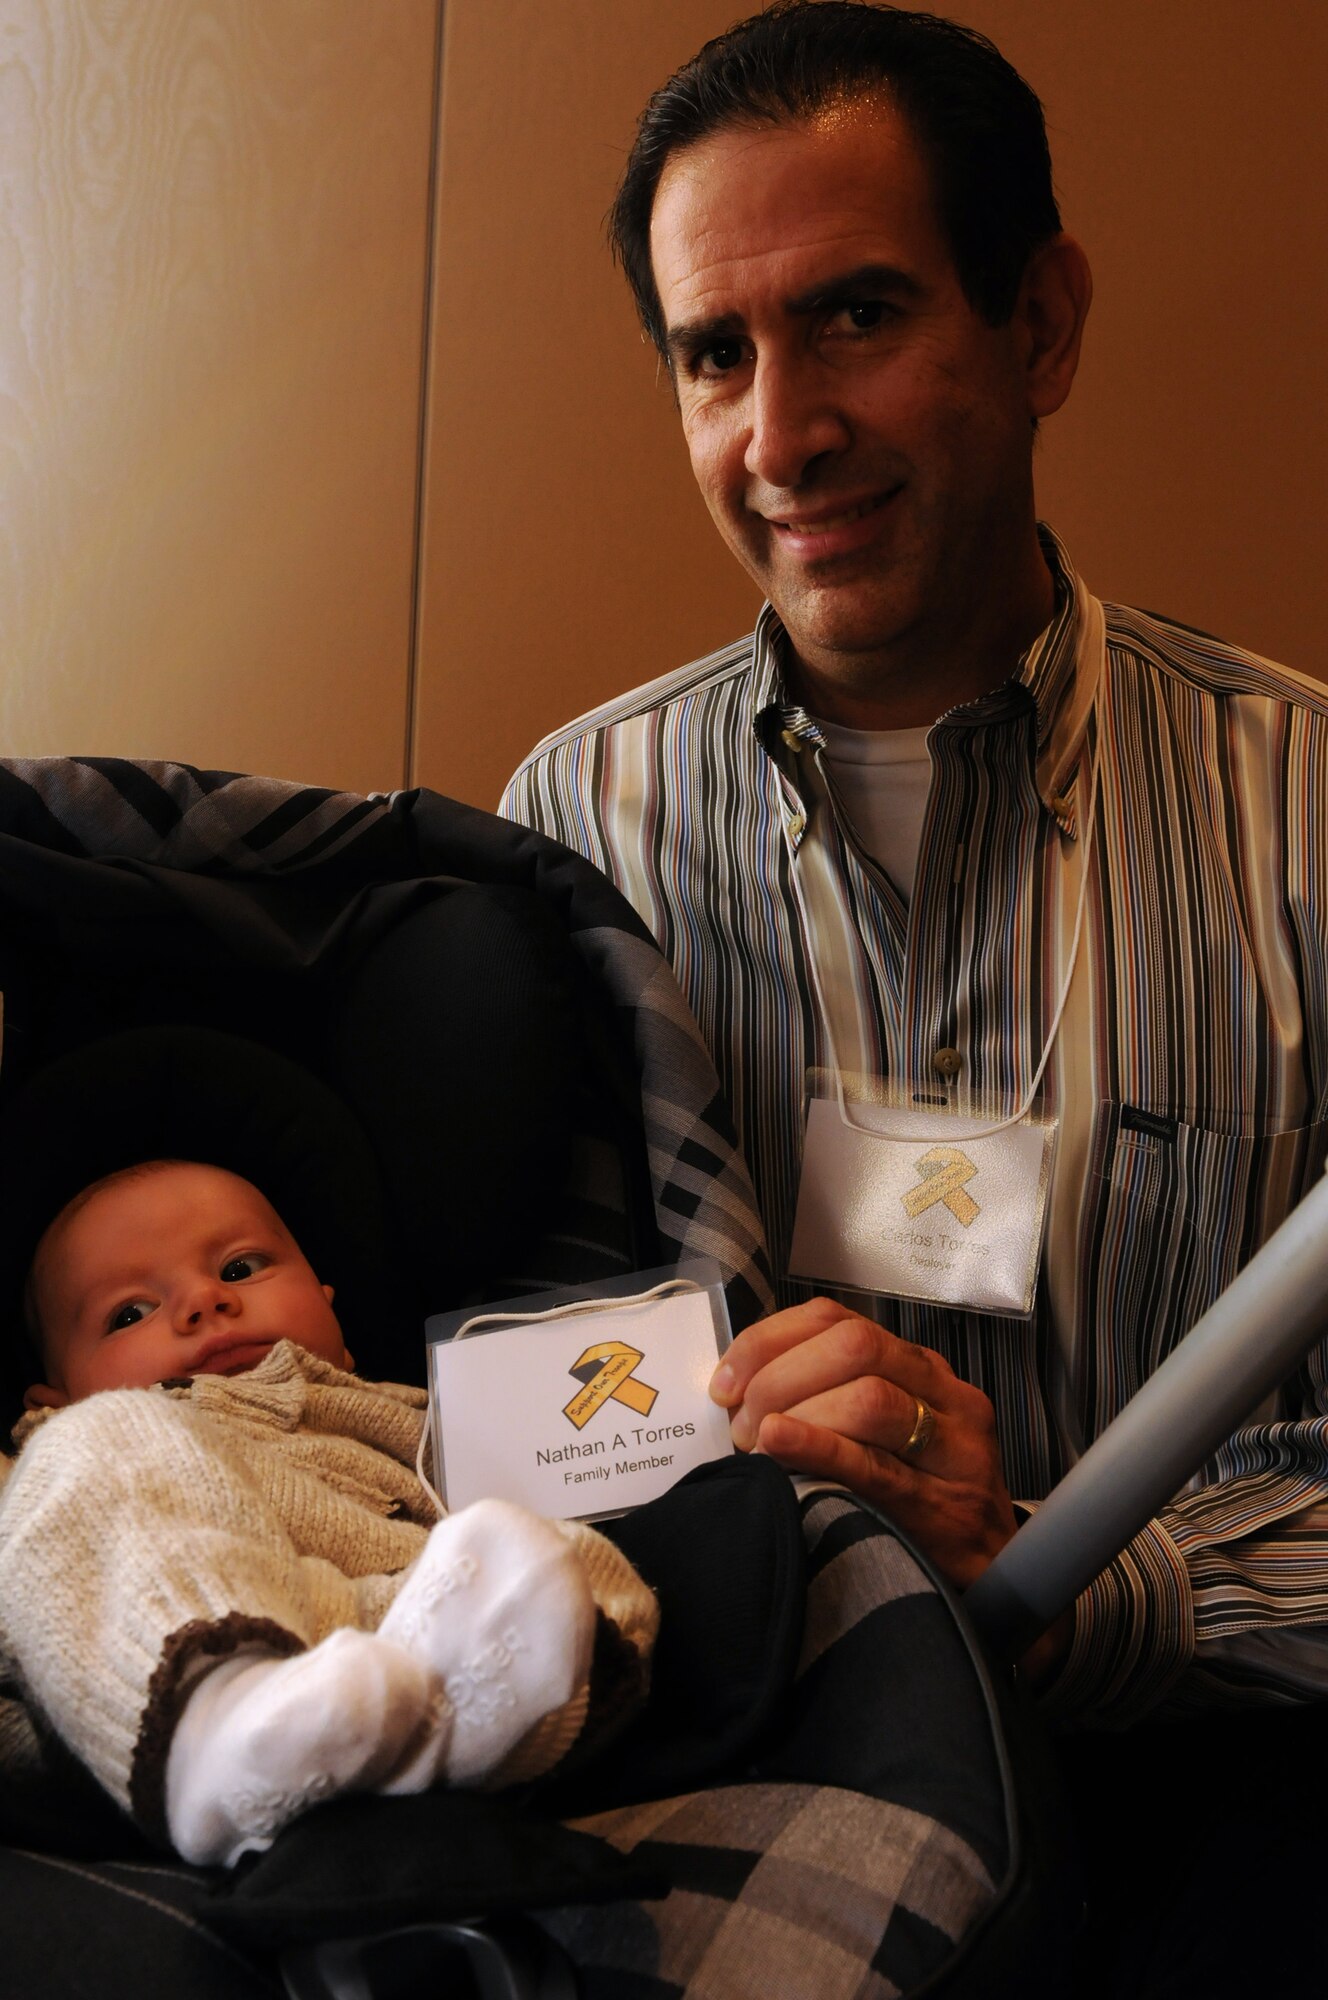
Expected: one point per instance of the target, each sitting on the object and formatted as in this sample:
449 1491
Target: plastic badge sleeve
580 1404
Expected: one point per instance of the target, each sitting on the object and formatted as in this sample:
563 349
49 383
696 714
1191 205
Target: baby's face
184 1270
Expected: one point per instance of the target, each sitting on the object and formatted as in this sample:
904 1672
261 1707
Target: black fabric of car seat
464 1038
723 1551
75 1930
471 1042
196 1094
359 1864
138 895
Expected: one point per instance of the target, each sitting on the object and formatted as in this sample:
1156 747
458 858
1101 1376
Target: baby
224 1583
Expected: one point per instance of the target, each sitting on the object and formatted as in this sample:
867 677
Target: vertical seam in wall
422 441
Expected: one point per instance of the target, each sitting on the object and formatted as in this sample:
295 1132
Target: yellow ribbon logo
606 1371
944 1171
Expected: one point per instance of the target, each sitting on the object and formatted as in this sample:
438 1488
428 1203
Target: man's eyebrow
690 336
863 281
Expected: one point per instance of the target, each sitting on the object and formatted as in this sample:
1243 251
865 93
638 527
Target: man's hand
829 1393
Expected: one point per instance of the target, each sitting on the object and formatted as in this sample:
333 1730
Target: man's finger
852 1354
756 1346
882 1415
960 1525
824 1454
868 1408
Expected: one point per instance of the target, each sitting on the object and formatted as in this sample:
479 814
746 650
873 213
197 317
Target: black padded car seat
825 1772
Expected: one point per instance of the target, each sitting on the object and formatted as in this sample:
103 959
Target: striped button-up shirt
1189 1075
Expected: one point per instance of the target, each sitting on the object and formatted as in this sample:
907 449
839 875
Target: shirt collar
772 706
1061 675
1059 684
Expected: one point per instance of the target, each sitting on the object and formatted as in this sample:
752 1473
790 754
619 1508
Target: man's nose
795 420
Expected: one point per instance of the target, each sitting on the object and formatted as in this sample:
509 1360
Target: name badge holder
946 1208
579 1404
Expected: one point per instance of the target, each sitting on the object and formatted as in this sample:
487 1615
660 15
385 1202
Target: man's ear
1054 298
41 1396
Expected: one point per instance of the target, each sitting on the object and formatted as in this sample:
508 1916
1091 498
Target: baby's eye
236 1269
129 1314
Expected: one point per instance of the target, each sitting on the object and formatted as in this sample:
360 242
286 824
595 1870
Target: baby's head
166 1269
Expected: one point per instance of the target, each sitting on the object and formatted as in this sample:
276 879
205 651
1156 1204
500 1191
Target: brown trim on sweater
619 1684
169 1689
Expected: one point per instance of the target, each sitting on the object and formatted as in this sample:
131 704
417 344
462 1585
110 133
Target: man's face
862 437
185 1270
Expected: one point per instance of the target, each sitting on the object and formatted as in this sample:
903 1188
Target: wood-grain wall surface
565 555
213 251
565 552
214 255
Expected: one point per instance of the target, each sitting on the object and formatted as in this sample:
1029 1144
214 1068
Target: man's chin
850 607
842 642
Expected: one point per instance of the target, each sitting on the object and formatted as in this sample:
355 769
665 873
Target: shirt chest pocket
1173 1212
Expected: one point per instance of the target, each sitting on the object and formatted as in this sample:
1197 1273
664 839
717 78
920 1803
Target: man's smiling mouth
807 526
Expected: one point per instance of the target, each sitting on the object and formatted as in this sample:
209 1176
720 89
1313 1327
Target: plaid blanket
858 1854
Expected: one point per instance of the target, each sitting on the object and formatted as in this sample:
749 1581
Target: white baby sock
489 1637
261 1739
499 1605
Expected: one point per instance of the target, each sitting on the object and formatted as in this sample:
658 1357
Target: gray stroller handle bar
1243 1348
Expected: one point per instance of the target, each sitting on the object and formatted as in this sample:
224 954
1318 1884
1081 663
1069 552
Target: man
939 822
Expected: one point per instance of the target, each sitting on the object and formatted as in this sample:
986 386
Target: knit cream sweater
146 1531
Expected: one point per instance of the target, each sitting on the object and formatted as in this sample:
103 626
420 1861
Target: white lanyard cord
426 1436
574 1309
1002 1124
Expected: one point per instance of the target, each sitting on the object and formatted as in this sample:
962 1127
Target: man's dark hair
978 123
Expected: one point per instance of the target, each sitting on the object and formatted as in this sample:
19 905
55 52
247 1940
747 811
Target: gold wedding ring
924 1425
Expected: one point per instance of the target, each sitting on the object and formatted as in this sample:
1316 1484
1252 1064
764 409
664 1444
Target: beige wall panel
213 246
565 555
565 552
1191 151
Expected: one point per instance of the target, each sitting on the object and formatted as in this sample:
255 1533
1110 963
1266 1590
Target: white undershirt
882 777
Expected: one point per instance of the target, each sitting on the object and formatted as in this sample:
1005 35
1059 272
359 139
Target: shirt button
947 1062
797 821
791 739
